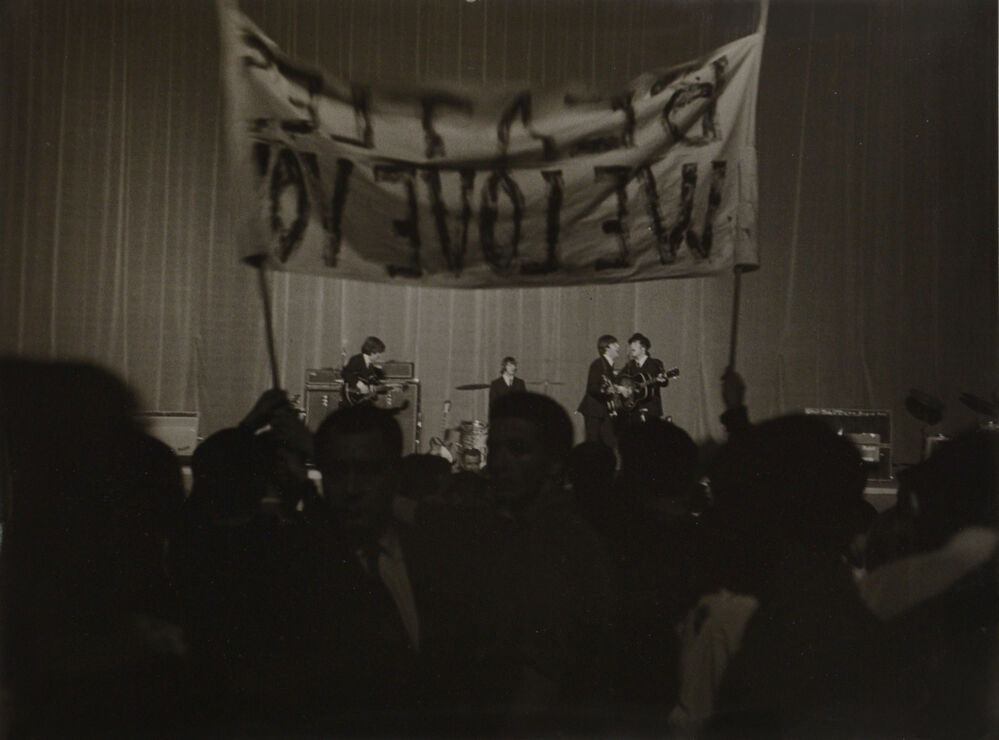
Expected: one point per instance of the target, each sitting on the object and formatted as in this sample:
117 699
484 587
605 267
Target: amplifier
322 375
178 429
402 399
398 370
869 430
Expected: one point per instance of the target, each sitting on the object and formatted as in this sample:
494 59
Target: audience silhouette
547 593
91 640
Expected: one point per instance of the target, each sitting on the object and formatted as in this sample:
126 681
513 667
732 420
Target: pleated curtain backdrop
876 134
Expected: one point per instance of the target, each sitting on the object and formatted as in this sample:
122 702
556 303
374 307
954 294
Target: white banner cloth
459 187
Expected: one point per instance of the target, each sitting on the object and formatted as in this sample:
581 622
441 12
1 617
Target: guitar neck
663 378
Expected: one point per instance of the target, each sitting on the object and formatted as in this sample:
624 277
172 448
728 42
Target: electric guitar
355 397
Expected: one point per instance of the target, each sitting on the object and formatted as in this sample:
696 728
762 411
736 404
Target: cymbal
979 405
928 409
544 382
472 387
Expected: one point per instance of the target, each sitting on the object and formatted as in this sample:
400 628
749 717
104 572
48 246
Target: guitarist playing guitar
648 375
362 374
597 406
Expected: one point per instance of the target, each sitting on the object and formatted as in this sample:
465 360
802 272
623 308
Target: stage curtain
877 150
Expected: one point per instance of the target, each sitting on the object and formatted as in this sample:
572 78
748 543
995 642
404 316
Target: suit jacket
594 401
365 636
499 388
363 661
355 370
653 405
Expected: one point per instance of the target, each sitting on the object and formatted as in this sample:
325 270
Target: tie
383 614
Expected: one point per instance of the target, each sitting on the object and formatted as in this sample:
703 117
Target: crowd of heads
652 589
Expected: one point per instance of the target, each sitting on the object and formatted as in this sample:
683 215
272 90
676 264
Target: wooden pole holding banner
761 27
738 269
258 263
734 334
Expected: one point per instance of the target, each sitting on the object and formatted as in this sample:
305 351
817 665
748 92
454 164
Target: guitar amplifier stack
324 394
870 432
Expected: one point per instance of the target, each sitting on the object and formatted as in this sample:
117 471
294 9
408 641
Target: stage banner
450 186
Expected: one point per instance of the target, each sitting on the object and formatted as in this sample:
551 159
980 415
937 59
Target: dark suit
445 578
652 406
356 370
499 388
593 407
365 662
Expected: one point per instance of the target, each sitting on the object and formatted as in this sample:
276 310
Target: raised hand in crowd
289 441
269 403
733 388
736 417
290 432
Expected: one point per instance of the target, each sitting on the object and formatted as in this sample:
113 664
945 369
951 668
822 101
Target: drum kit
467 444
929 410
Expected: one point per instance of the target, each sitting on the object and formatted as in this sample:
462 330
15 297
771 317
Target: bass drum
474 436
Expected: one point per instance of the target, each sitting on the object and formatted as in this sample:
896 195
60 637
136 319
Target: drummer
471 460
472 446
507 382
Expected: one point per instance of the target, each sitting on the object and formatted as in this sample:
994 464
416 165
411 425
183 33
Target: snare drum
474 435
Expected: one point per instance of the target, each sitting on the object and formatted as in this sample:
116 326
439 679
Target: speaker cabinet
402 399
321 399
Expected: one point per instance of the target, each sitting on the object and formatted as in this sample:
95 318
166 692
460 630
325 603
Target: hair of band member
372 345
604 342
641 339
507 361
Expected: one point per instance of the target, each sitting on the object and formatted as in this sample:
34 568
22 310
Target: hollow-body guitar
631 390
